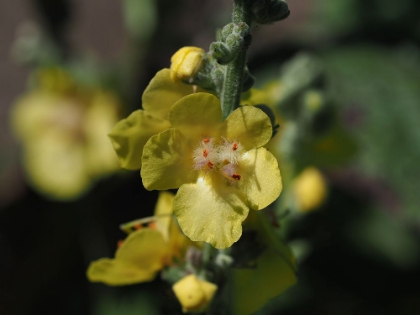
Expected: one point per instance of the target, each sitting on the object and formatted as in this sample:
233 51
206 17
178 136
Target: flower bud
194 294
269 11
310 189
186 62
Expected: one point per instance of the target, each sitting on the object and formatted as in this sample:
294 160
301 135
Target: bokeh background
358 253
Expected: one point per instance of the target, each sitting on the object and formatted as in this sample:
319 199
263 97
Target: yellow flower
220 167
271 273
129 135
63 132
145 251
194 294
309 189
186 62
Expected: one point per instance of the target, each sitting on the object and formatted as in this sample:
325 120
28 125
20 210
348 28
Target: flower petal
56 166
250 126
211 210
197 115
145 248
99 119
193 293
31 114
260 178
163 212
162 93
129 136
167 161
115 272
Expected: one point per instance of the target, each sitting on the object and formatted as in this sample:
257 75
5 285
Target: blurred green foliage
381 87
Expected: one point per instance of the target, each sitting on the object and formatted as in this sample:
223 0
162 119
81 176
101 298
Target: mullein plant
62 127
199 133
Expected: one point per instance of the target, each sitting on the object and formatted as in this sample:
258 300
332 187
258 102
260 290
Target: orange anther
205 153
236 176
235 146
119 244
206 140
152 225
210 164
137 226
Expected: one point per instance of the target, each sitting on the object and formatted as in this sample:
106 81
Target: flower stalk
234 75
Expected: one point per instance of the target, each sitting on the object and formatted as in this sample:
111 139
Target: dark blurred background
359 253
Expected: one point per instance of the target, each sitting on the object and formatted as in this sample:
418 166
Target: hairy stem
232 86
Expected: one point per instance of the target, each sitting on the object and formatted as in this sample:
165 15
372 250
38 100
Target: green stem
232 86
207 256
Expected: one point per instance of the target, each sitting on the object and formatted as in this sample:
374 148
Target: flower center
220 156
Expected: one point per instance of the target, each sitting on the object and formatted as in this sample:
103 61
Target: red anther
205 153
152 225
210 164
236 176
137 226
235 146
206 140
119 244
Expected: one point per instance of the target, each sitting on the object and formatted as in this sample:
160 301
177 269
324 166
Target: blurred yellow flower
309 189
220 167
194 294
63 132
145 251
186 62
129 135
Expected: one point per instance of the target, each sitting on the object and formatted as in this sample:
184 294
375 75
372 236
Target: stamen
206 140
205 153
210 164
236 176
136 224
230 152
152 225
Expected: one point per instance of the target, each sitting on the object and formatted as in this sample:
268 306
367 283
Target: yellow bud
314 100
186 62
310 189
194 294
